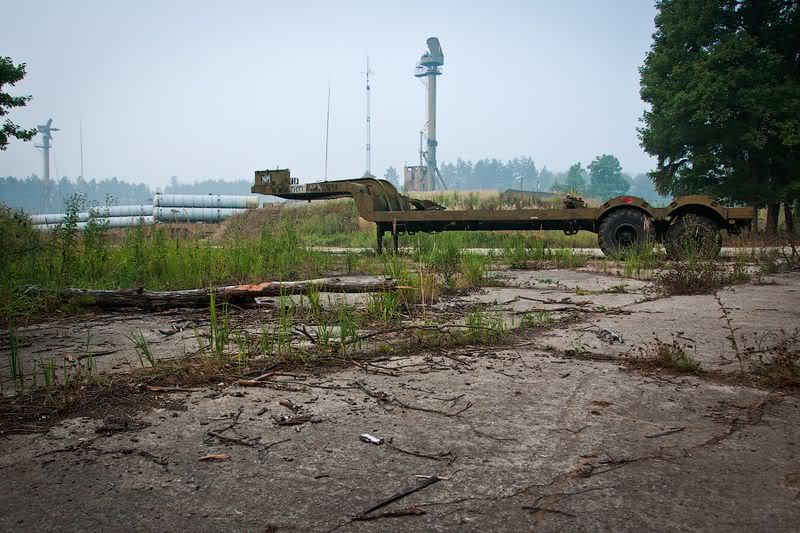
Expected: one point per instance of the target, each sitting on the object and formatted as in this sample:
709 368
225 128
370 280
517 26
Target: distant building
415 178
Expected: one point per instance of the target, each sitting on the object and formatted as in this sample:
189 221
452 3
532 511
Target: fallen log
146 299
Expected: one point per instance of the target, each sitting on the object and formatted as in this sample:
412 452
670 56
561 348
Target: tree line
34 195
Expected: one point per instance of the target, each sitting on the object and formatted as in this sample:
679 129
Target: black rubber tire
622 230
693 234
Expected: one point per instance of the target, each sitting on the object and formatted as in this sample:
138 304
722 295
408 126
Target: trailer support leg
380 232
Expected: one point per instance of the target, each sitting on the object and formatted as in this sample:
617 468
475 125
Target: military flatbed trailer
620 223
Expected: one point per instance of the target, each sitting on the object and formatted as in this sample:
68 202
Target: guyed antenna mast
327 127
368 173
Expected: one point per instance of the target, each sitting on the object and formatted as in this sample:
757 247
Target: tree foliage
606 176
10 74
517 173
723 82
216 186
33 195
575 182
392 176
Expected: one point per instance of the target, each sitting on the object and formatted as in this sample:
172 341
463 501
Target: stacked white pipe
113 222
113 211
165 208
205 201
200 207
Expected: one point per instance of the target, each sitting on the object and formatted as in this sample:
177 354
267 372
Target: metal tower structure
46 131
327 127
81 132
47 134
368 173
428 68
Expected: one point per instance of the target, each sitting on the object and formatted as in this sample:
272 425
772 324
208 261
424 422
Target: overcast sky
203 89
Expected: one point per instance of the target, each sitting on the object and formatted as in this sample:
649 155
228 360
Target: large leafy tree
575 182
723 82
10 74
606 177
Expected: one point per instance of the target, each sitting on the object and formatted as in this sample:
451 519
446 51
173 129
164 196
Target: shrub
19 241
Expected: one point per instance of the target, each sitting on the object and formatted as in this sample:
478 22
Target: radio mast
368 173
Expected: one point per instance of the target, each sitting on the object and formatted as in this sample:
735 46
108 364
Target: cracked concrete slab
560 280
540 442
761 316
523 436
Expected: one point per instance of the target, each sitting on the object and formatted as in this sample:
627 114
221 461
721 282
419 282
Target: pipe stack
165 208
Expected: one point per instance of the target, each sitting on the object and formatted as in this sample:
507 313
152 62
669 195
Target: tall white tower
47 134
46 131
368 173
428 68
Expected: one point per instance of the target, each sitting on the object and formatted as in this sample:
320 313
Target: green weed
697 276
348 330
527 253
16 365
313 295
219 326
671 355
535 319
473 269
142 348
484 326
637 259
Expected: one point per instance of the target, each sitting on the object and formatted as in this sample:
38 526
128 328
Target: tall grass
638 259
16 366
525 253
142 348
483 326
348 330
473 269
219 330
147 257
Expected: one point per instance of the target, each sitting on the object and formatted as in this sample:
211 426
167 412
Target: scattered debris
154 388
289 405
406 511
402 494
233 440
370 439
448 455
146 299
215 457
610 336
292 420
669 431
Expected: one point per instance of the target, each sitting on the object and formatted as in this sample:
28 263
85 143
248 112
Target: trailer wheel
622 230
693 235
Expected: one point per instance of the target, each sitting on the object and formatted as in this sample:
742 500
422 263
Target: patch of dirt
40 411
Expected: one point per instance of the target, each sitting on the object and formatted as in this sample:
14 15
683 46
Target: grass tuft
142 348
672 355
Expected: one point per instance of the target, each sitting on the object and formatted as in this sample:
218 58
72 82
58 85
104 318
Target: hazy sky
219 89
